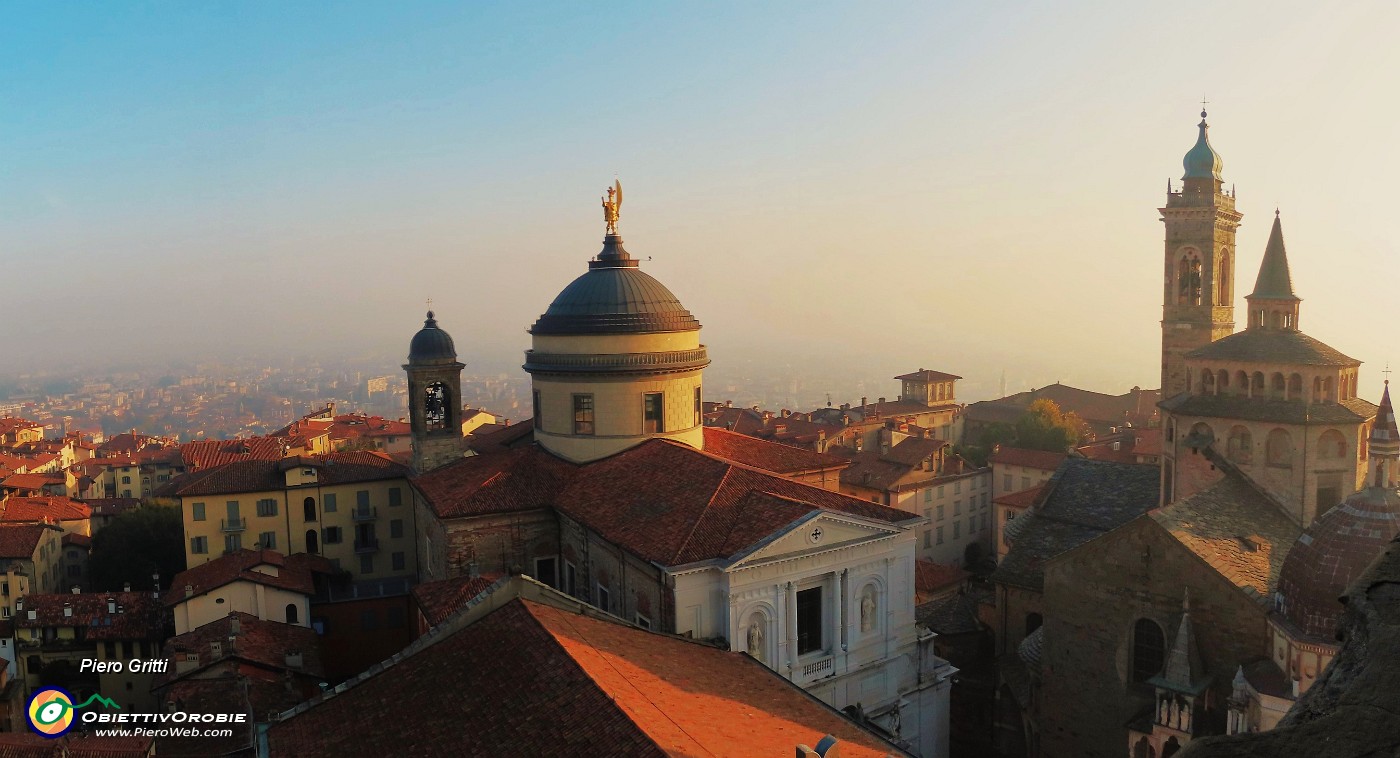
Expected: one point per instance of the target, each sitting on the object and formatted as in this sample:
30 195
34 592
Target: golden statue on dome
611 204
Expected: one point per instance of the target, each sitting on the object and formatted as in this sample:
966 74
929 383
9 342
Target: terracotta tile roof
262 643
1044 460
49 509
927 375
80 540
577 682
10 424
912 451
1024 498
252 690
72 745
241 565
1274 346
130 442
32 482
1086 499
705 508
1238 531
508 480
138 615
439 600
484 440
112 506
264 475
745 421
202 454
769 456
21 540
1136 405
932 577
892 408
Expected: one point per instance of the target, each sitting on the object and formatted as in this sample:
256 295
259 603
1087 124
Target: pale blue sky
971 187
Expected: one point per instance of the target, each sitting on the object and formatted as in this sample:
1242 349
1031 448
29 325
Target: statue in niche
867 610
755 638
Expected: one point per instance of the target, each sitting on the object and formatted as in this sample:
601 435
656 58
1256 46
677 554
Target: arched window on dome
1329 389
1279 448
1222 380
1317 390
1278 386
1189 279
1256 384
1241 445
1149 649
436 401
1241 382
1352 392
1295 387
1207 382
1332 445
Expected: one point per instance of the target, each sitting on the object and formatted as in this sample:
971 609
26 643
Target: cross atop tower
1204 103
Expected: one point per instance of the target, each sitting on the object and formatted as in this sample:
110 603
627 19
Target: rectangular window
199 545
396 528
232 508
699 407
546 572
126 480
328 502
643 621
604 598
366 564
233 542
197 511
957 507
583 414
957 529
398 561
268 540
928 495
940 492
267 507
940 513
395 496
570 579
362 500
535 407
1006 482
928 538
652 413
809 620
331 535
940 535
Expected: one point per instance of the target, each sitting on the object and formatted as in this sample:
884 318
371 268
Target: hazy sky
970 187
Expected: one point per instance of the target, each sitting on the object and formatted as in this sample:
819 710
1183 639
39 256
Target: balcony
233 525
367 546
364 514
816 669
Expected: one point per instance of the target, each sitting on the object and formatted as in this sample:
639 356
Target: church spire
1183 671
1273 304
1385 444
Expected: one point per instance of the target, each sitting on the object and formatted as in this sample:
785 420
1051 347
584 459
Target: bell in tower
434 397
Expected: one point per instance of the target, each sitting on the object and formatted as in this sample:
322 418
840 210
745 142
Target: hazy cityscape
839 381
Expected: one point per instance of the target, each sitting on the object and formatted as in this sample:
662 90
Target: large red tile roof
21 540
292 575
927 375
769 456
262 643
138 615
46 509
1024 498
72 745
576 682
932 577
484 440
508 480
439 600
264 475
1045 460
32 481
202 454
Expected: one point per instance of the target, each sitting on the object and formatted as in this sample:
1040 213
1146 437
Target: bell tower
1198 293
434 397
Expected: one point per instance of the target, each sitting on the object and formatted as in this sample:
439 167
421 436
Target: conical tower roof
1385 438
1183 671
1274 282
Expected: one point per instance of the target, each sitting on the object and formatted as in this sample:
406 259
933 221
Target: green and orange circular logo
51 712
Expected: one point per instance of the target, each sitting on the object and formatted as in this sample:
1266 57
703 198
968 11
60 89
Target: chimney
786 413
235 627
68 610
863 398
729 404
111 605
189 590
216 649
294 659
76 590
126 586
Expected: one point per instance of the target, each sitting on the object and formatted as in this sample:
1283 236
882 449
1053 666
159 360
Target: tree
136 544
1045 427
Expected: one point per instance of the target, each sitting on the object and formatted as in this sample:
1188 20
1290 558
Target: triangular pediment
814 534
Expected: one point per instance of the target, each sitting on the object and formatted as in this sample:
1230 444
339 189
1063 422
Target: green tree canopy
136 544
1045 427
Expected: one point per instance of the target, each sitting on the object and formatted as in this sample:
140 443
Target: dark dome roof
1273 346
615 297
1332 553
431 343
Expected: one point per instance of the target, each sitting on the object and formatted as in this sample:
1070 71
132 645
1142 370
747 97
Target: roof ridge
680 549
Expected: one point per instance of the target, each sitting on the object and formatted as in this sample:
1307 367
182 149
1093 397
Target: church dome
1332 553
615 297
1202 162
431 344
